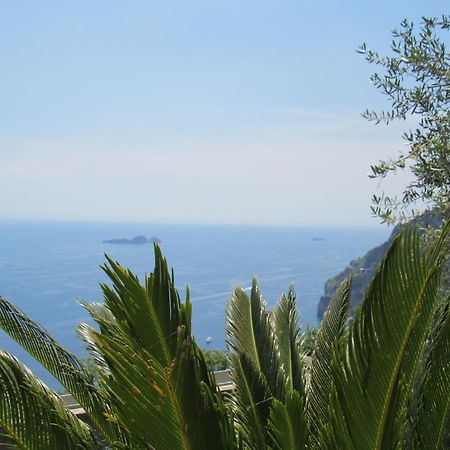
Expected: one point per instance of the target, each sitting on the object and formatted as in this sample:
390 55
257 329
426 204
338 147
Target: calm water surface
46 267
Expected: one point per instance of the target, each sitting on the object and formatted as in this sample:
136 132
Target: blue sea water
45 268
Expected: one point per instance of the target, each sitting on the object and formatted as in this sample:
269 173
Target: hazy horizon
224 112
312 226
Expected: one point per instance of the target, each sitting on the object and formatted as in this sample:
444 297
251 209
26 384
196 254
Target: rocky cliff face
363 268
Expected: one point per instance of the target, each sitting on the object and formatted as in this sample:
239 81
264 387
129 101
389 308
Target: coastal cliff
362 269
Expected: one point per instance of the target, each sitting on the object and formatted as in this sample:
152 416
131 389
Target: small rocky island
137 240
362 269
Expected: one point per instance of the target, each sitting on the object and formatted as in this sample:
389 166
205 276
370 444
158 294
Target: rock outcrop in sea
362 269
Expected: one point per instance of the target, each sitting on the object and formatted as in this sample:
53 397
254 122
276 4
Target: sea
47 267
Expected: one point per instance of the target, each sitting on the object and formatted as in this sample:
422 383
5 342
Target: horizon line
193 223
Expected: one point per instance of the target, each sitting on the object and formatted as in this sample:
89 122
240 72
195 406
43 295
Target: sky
217 112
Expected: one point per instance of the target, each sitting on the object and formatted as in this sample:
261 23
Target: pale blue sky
193 111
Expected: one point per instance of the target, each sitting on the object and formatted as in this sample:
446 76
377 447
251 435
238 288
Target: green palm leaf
374 373
431 409
64 366
160 287
256 370
161 407
156 378
287 425
331 331
134 311
201 404
287 334
251 401
107 325
102 316
32 416
249 332
139 390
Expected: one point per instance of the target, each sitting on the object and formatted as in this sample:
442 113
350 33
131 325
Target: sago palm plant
378 381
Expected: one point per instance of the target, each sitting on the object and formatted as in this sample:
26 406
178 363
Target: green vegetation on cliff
362 269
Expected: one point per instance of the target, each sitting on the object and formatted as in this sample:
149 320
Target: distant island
318 239
137 240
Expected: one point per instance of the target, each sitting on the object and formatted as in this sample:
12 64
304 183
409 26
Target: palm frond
102 316
171 313
161 407
251 401
249 332
32 416
157 381
107 325
199 400
287 423
430 412
133 311
372 376
331 331
287 334
256 370
152 313
140 394
64 366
